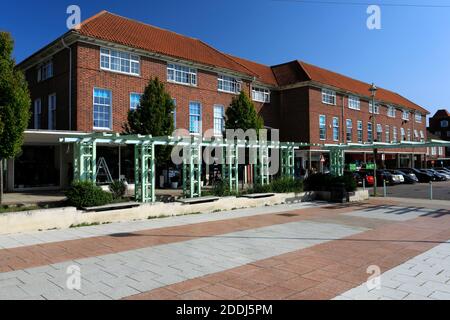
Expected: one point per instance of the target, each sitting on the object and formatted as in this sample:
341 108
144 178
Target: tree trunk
1 181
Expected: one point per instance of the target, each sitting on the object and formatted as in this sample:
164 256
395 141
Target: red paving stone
50 253
326 270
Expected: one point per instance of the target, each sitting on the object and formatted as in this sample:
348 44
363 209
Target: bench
199 200
258 195
113 206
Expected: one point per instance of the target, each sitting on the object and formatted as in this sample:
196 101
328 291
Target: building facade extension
439 127
88 79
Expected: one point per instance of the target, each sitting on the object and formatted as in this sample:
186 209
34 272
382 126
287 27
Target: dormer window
405 115
45 71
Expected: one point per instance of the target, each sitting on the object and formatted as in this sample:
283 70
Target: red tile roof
264 73
442 113
110 27
358 87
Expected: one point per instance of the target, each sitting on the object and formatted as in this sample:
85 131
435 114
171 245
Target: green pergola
144 159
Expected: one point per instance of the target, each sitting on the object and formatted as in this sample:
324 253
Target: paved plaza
292 251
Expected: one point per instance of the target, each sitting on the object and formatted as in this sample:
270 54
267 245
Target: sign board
352 167
370 166
322 159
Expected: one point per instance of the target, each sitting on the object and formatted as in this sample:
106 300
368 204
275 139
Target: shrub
86 194
280 185
118 189
324 182
222 189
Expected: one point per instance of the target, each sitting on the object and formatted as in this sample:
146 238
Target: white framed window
45 71
391 111
135 100
349 125
408 137
260 95
360 131
37 113
229 84
52 112
394 135
416 135
336 129
387 134
195 117
102 109
328 96
219 122
322 127
418 117
119 61
405 115
354 103
433 151
181 74
377 108
369 132
444 124
402 134
422 136
441 151
379 132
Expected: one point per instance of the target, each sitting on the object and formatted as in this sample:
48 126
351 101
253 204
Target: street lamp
373 90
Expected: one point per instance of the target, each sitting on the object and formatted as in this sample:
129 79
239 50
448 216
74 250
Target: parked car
443 172
438 176
442 169
396 177
409 178
361 176
423 177
383 175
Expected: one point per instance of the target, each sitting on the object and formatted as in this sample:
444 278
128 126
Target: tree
15 104
154 116
242 114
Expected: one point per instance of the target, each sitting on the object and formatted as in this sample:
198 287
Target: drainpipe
70 82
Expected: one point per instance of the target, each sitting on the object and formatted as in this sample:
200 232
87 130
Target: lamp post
373 90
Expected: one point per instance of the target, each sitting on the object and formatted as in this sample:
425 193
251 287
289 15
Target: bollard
384 188
364 184
431 190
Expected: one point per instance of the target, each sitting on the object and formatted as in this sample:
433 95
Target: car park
423 177
409 178
438 176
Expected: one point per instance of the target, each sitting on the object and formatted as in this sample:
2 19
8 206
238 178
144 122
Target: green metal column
262 166
144 172
288 162
337 161
85 161
230 166
192 170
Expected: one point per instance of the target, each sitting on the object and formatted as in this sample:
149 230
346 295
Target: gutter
70 82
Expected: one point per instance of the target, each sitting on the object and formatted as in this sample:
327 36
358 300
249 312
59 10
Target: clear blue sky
410 55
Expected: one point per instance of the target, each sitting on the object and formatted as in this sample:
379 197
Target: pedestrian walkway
298 251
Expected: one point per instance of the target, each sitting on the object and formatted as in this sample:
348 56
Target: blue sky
410 54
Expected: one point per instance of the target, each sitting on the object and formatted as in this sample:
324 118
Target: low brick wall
63 218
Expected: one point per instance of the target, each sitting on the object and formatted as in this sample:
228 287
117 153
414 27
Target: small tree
15 104
154 116
242 114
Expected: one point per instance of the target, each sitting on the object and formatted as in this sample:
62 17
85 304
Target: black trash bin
338 193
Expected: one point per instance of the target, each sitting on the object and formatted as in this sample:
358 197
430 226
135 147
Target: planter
174 185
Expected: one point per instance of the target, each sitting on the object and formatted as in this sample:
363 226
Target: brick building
88 79
439 128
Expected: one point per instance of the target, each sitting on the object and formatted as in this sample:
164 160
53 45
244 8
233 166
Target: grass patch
85 224
7 209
